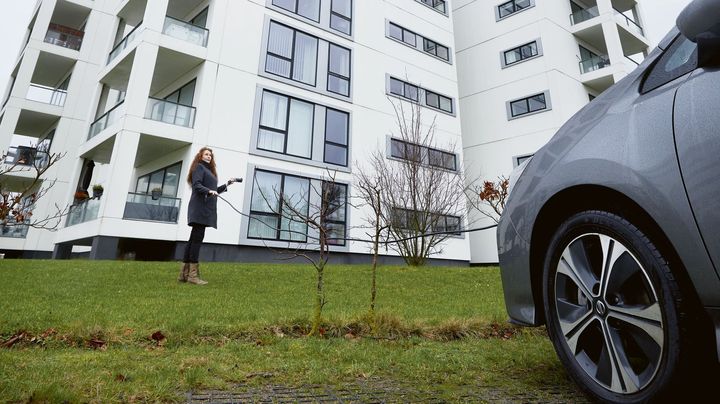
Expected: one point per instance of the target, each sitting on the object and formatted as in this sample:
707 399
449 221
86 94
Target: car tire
614 310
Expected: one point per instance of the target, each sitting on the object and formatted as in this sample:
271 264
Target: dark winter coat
203 207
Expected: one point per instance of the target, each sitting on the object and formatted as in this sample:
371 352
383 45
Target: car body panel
622 141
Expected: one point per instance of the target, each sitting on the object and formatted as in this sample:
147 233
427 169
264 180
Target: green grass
442 329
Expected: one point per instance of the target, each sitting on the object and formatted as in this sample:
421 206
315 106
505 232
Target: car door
697 138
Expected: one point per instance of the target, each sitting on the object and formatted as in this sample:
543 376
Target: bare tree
22 185
422 201
311 222
489 199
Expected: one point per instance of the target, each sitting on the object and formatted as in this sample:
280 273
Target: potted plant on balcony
156 193
97 191
81 196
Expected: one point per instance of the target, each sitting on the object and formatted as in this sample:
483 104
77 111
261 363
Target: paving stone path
377 391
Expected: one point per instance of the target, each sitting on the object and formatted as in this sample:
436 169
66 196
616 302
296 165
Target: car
610 235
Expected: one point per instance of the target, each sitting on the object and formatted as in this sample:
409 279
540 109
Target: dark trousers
192 248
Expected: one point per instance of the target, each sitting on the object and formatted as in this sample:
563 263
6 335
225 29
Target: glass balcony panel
13 229
47 95
170 112
185 31
27 156
82 212
158 208
124 43
583 15
64 36
594 63
628 23
104 121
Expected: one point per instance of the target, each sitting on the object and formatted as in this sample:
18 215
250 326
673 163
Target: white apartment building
524 68
283 91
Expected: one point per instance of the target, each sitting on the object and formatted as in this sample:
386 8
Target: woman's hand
212 193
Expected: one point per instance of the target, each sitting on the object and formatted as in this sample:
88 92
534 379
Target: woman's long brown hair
196 161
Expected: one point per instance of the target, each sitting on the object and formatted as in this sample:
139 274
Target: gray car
611 232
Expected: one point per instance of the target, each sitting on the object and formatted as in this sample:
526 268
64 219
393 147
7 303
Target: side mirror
698 18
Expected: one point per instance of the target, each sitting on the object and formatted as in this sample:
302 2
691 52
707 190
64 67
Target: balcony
47 95
14 230
185 31
123 43
150 207
584 15
27 156
104 121
66 37
594 63
628 23
82 212
170 112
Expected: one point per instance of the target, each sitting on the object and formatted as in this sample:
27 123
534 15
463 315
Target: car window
680 59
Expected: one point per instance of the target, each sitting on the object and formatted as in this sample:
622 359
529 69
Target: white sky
659 17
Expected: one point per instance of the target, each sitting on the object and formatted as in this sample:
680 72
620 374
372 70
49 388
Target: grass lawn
83 331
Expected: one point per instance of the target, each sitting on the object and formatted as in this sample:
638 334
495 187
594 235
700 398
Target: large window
438 5
425 222
276 198
417 41
528 105
421 95
336 137
341 16
512 7
425 155
291 54
309 9
166 179
287 125
338 79
520 53
334 204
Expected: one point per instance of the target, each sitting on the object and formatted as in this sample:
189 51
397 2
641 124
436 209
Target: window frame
295 11
419 43
295 31
279 216
538 53
509 104
332 221
405 211
424 152
327 142
347 18
422 95
338 75
286 132
499 16
164 170
444 11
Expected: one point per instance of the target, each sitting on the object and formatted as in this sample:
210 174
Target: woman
202 211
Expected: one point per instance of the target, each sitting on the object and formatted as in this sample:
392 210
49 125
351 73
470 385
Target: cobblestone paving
376 391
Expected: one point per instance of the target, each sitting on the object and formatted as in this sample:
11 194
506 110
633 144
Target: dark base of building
115 248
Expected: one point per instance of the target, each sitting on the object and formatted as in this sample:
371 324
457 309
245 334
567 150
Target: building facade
524 68
283 91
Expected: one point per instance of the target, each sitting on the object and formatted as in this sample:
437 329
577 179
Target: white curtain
300 129
279 43
273 115
305 61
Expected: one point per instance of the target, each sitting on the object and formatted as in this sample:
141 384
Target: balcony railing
147 207
628 23
170 112
64 36
584 15
104 121
27 156
47 95
185 31
13 229
594 63
124 43
82 212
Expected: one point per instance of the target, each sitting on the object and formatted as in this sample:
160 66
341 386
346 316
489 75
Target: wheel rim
609 314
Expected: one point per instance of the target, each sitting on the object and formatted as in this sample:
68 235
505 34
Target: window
341 16
166 179
338 80
336 137
512 7
521 159
184 95
425 222
403 89
437 5
520 53
432 157
402 34
436 49
438 101
291 54
421 95
274 199
286 125
679 59
334 204
309 9
528 105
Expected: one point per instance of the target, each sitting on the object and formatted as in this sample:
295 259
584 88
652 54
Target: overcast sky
659 18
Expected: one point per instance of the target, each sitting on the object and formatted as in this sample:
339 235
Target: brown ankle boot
184 270
193 275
